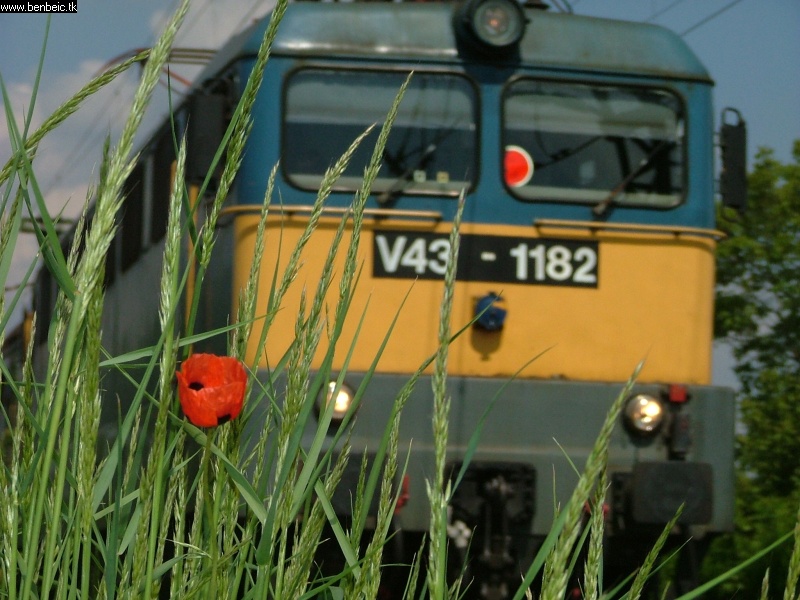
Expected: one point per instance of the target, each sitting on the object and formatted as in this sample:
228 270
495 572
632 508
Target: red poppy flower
211 388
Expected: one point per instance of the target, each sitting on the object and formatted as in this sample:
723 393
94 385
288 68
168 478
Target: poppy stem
208 509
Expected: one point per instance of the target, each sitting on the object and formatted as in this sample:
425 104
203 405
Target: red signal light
677 393
517 166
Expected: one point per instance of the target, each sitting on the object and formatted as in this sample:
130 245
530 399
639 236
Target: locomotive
584 150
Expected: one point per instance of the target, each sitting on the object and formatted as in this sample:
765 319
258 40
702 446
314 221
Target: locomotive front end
586 246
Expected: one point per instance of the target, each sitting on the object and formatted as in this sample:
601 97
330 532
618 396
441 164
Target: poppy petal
211 388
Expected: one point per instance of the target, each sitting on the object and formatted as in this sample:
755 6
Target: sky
750 48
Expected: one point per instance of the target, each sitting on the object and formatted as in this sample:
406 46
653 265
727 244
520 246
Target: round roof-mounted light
492 24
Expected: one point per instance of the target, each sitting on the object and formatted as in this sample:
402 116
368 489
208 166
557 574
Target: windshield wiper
600 208
401 182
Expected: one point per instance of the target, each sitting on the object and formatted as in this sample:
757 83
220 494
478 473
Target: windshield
581 143
432 148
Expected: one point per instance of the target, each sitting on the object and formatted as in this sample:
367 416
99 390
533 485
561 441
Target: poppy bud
211 388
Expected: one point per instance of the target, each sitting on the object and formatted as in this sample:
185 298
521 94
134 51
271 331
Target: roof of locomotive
424 31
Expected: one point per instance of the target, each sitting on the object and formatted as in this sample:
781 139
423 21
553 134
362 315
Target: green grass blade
792 576
38 78
46 233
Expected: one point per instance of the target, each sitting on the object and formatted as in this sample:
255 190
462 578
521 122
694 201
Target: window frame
401 71
682 120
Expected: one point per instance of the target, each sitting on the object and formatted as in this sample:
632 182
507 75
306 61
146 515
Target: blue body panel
419 36
489 202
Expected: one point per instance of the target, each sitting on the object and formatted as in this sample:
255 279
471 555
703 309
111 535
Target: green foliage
758 303
760 521
758 313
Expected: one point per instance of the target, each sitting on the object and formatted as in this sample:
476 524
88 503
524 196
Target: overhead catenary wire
197 56
186 55
710 17
674 3
91 137
94 135
658 13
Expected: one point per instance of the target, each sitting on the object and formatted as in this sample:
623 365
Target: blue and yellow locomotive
585 151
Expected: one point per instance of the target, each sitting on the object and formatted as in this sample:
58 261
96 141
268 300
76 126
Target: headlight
643 413
493 24
341 399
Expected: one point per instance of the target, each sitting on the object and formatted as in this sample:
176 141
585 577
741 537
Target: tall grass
187 513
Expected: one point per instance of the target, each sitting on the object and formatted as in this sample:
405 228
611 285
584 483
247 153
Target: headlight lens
644 413
498 23
493 24
341 399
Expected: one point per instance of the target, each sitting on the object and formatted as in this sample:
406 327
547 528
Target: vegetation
758 313
77 521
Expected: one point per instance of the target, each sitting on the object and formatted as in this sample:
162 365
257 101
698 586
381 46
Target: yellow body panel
654 301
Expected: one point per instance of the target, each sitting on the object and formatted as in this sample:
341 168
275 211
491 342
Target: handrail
375 213
632 227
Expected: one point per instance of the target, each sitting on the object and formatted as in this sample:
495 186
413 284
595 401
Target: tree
758 314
